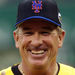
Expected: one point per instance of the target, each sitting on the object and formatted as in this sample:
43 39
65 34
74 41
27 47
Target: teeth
37 52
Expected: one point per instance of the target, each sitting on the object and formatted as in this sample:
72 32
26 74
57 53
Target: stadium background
9 55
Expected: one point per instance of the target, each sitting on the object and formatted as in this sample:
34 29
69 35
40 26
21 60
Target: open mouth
37 52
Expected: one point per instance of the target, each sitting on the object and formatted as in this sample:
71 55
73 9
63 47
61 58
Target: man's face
38 42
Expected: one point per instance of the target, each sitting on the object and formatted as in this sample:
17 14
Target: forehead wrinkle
46 28
33 27
26 28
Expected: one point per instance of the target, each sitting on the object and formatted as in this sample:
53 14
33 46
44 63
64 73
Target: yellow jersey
62 70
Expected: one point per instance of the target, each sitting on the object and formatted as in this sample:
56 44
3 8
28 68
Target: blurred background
9 55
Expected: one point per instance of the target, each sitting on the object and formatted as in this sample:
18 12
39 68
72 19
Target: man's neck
51 70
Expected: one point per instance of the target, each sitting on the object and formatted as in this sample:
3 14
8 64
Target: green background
9 55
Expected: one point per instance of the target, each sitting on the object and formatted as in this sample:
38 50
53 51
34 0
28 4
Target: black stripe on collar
15 70
58 68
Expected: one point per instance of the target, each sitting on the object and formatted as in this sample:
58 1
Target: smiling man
38 36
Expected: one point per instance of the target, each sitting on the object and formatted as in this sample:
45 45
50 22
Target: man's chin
38 63
37 59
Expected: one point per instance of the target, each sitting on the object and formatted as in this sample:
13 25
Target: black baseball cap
38 9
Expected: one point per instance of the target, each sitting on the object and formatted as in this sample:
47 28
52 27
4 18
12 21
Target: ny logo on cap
37 6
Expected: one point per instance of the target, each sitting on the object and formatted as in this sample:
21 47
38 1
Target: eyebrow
47 28
26 28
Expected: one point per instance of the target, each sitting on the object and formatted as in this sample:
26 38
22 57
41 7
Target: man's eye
45 33
28 33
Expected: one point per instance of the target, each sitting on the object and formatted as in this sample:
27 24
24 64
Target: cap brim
38 17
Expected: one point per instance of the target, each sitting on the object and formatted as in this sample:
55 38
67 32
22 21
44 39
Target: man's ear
61 38
16 38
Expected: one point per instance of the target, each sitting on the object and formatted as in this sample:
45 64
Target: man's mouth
37 52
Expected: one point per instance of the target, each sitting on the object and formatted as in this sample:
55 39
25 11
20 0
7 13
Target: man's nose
36 40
